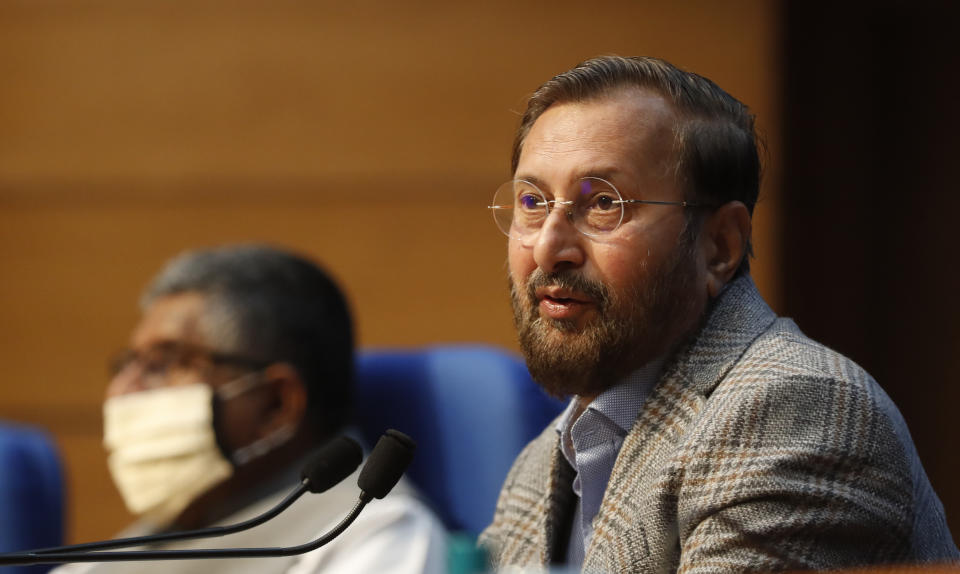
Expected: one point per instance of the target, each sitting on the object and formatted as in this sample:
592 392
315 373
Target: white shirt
395 535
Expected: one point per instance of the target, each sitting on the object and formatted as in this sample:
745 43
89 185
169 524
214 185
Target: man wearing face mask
241 364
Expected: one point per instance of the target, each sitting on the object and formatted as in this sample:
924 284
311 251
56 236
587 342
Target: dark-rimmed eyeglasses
159 360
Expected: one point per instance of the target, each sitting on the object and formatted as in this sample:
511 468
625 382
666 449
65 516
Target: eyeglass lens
154 362
520 208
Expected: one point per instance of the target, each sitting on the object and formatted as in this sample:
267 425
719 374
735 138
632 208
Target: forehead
630 132
172 318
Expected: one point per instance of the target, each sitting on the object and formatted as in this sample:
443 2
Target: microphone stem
60 554
56 557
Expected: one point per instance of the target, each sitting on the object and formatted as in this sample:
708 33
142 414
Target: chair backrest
471 410
31 493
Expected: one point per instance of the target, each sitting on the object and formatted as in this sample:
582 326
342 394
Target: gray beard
627 332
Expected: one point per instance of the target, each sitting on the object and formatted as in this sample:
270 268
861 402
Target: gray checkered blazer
758 450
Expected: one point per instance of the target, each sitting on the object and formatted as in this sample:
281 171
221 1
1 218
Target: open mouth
557 304
561 296
561 300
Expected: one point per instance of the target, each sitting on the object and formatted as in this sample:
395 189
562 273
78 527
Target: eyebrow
531 178
607 173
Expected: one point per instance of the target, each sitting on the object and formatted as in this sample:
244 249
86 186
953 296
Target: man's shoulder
784 350
788 390
753 339
745 349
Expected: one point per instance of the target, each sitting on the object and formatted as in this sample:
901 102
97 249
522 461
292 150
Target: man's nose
559 245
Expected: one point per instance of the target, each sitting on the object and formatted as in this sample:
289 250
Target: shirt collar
620 403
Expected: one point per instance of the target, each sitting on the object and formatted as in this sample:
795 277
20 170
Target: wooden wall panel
370 137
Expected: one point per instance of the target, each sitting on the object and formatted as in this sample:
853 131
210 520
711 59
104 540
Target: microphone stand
383 469
46 557
210 532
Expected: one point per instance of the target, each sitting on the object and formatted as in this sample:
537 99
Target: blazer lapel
537 513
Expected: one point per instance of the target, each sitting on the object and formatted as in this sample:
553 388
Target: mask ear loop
239 386
262 446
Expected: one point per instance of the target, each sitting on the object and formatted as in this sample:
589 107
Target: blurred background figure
372 137
241 364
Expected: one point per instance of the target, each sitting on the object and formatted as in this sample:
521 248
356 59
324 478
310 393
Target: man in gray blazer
704 433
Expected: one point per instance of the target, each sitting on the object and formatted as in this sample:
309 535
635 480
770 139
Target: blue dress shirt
590 441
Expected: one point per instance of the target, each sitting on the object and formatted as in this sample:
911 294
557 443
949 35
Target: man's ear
724 238
288 406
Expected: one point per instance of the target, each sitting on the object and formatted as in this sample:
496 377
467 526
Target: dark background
871 117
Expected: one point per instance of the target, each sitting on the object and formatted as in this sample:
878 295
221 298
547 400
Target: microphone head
386 463
333 462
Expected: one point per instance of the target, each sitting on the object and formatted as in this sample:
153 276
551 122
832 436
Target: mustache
568 280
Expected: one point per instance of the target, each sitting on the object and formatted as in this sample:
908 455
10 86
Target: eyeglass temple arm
650 201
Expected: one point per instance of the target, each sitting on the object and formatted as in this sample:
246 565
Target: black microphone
335 461
327 467
386 464
382 473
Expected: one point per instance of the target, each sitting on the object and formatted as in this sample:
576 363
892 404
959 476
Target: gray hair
274 306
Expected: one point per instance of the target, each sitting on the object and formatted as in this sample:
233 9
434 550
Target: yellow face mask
162 448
